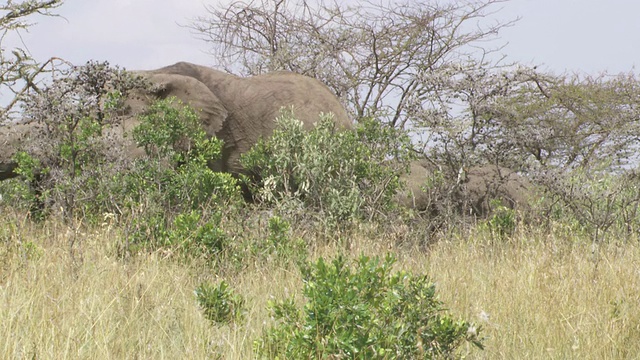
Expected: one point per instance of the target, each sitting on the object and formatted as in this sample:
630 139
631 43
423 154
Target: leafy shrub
502 221
220 304
178 151
341 175
170 188
71 150
193 235
279 245
19 193
363 312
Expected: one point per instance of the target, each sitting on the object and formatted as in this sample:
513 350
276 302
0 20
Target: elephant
237 110
474 192
491 182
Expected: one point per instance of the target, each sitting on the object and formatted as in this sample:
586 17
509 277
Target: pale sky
560 35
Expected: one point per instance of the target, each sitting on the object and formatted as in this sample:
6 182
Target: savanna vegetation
108 255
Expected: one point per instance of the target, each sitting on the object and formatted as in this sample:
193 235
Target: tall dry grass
537 296
541 297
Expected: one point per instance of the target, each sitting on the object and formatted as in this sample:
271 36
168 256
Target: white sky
560 35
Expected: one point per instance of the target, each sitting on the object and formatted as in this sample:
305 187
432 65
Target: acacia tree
577 121
424 66
377 57
18 70
421 65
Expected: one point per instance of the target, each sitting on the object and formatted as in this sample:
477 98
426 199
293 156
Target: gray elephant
237 110
473 193
491 182
413 197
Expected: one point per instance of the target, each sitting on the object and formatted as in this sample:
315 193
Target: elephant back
309 97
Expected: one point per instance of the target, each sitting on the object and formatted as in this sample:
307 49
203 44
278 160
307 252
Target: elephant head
491 182
187 89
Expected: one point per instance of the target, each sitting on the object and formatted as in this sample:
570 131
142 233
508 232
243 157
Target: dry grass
540 298
536 297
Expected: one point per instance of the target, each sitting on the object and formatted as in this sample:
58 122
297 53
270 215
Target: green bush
340 175
174 197
502 222
279 245
195 233
178 152
363 312
18 193
220 304
197 237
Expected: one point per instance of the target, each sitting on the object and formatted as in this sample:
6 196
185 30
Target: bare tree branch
371 54
19 73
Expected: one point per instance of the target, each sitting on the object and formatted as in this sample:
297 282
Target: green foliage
198 236
342 175
178 151
19 193
220 304
279 245
502 221
28 166
171 129
363 312
174 183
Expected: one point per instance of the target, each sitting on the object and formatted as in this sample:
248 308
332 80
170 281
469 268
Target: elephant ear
191 91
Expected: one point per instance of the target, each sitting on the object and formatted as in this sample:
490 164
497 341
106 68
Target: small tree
574 121
73 138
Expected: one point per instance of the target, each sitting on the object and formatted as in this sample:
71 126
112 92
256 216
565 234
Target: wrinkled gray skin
488 182
237 110
480 185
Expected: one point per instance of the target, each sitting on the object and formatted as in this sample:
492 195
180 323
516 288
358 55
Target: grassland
537 295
